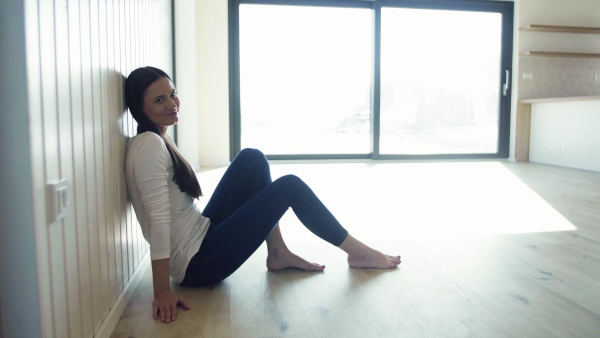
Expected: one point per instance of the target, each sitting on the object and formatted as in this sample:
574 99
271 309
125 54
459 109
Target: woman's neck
162 130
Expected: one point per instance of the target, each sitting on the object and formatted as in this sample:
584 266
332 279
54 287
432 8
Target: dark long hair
135 86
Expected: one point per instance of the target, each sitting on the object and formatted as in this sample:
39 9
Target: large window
305 78
370 79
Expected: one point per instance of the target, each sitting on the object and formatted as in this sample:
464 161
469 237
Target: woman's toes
374 259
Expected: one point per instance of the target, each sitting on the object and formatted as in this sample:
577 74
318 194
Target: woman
197 247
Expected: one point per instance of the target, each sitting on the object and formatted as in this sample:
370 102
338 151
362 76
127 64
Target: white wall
20 304
559 12
213 81
66 119
202 66
186 79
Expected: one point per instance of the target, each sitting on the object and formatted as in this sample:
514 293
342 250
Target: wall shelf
560 54
561 29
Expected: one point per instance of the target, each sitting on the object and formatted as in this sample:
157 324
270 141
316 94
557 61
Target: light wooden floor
489 249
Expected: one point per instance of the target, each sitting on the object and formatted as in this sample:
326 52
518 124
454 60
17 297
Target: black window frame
505 8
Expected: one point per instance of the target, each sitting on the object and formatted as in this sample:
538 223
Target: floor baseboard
111 320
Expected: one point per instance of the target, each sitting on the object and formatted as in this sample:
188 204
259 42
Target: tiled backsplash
558 77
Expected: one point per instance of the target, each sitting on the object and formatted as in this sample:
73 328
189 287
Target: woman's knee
251 154
290 180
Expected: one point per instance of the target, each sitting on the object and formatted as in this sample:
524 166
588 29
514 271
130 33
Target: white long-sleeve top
171 222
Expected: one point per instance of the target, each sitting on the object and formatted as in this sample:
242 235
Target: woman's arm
165 302
149 162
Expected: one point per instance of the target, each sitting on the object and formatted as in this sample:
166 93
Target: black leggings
244 209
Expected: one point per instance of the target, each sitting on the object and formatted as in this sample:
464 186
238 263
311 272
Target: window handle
505 87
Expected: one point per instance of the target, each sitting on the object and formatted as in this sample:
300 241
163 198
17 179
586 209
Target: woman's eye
173 94
159 100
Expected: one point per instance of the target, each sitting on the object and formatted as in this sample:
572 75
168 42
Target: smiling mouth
175 113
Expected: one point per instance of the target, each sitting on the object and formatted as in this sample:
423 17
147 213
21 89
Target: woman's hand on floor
165 306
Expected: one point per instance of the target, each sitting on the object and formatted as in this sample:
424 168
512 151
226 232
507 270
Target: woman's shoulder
146 138
146 142
148 135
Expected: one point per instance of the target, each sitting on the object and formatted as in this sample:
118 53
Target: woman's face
161 104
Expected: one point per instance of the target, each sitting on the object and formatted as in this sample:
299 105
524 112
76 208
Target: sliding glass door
380 79
440 74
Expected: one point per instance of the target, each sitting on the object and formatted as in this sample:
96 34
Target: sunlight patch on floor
441 200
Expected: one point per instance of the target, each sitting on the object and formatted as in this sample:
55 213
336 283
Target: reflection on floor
489 249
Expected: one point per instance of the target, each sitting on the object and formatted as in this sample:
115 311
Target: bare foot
280 261
374 259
